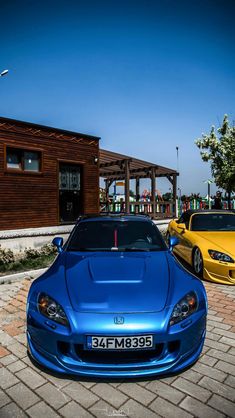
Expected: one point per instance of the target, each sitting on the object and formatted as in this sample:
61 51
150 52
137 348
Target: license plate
119 343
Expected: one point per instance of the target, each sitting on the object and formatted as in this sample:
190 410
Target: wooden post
153 188
127 186
137 189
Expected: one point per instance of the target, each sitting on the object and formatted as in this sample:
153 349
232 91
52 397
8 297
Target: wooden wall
32 199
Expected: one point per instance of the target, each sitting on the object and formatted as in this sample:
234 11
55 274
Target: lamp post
4 72
179 188
209 182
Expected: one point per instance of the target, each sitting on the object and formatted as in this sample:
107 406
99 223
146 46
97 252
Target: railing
162 209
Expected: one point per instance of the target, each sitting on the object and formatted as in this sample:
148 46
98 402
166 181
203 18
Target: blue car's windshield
213 222
103 235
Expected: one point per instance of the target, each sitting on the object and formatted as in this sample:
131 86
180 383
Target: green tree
219 148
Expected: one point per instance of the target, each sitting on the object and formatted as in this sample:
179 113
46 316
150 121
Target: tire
198 262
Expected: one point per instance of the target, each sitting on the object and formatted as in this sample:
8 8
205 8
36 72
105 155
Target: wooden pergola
114 166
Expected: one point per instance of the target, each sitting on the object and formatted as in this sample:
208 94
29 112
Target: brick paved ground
206 390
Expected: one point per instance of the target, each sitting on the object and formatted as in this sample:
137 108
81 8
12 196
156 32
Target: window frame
23 149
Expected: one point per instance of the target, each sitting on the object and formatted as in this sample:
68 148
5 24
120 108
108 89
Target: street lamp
209 182
4 72
179 188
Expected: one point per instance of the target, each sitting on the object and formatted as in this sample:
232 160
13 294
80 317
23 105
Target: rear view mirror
172 242
181 226
58 242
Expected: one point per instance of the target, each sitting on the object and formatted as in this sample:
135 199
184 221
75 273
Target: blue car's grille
117 357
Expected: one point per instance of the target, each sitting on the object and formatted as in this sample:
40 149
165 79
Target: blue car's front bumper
64 351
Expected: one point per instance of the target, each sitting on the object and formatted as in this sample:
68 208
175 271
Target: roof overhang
112 167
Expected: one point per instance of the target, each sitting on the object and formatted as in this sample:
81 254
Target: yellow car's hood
222 241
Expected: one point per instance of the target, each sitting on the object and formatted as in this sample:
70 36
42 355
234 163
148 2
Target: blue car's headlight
184 308
217 255
51 309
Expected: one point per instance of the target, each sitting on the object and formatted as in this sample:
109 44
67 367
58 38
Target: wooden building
48 176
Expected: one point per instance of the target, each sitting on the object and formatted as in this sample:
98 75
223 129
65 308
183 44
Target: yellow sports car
207 243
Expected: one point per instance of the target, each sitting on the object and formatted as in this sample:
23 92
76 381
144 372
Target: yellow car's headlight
217 255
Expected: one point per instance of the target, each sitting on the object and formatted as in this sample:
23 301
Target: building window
23 160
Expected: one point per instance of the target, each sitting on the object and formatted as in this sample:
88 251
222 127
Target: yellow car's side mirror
181 226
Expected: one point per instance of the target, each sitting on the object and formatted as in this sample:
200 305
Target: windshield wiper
79 249
133 249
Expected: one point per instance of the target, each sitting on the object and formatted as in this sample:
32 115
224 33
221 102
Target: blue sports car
116 303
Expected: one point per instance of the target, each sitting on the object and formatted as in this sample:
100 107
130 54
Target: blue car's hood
120 282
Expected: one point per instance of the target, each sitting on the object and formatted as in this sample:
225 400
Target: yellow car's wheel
197 262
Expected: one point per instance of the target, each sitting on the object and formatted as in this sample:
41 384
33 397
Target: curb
30 274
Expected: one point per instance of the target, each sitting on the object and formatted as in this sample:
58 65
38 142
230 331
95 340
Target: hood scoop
120 282
106 270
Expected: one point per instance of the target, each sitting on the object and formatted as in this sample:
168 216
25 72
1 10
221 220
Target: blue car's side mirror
58 242
172 242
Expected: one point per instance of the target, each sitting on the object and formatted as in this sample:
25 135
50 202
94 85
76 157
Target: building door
70 204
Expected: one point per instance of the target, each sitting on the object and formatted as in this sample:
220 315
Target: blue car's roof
116 217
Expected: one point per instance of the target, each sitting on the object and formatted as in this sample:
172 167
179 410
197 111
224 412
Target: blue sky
146 76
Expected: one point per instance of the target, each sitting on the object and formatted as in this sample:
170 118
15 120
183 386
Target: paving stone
42 410
166 391
89 385
210 372
198 409
191 389
212 336
60 382
209 361
209 327
7 379
8 359
12 411
231 351
109 394
22 395
134 409
224 333
18 349
230 380
168 410
53 395
73 409
3 351
218 388
30 378
22 338
4 399
191 375
141 383
16 366
219 403
228 341
229 358
219 325
80 394
214 318
225 367
169 379
217 345
29 362
5 339
136 392
204 349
